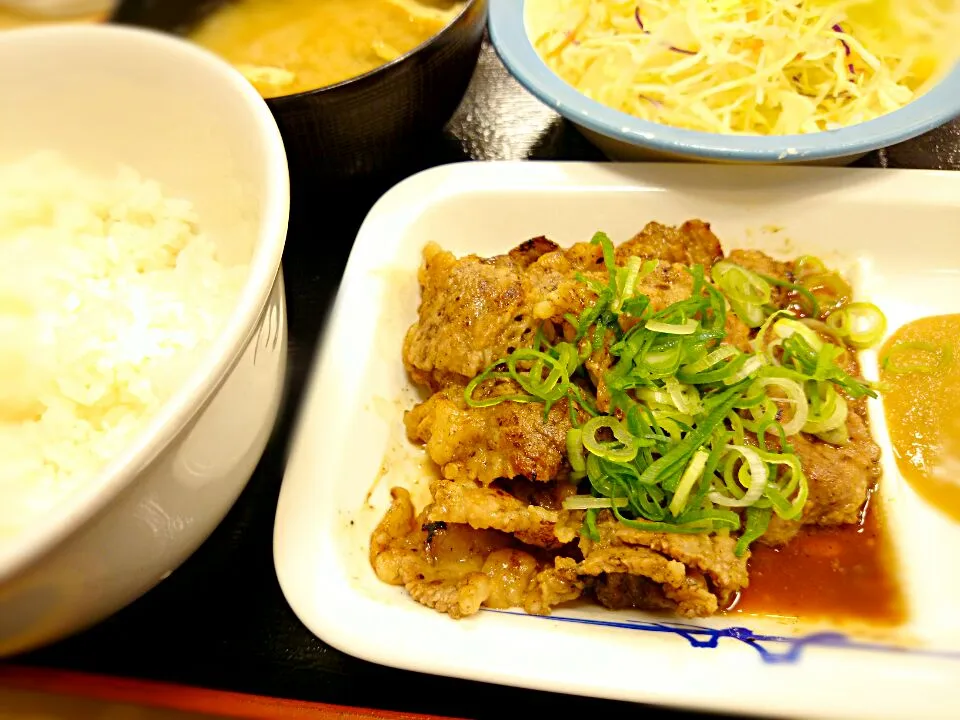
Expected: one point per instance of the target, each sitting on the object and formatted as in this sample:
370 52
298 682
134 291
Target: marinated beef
485 443
839 478
702 570
496 533
492 507
693 243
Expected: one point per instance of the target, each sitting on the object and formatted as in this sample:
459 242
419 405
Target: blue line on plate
700 636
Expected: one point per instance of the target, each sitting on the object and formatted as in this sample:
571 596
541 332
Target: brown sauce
836 573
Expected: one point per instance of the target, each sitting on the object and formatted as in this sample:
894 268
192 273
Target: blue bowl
624 137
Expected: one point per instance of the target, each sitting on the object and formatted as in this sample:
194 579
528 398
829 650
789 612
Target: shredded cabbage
760 67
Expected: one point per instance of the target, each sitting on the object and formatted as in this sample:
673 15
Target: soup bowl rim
447 29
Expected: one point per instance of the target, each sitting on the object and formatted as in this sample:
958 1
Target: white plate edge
428 187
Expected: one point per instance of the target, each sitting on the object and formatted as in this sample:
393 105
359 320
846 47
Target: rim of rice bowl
224 350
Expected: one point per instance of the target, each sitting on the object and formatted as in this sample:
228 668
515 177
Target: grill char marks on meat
527 253
531 519
442 569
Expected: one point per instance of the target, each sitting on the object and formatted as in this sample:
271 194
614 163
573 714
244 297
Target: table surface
221 621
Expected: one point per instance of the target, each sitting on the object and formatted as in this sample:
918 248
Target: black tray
220 621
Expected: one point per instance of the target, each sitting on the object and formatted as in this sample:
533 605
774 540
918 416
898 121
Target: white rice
108 294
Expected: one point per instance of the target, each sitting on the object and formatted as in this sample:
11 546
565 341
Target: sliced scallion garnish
685 328
923 357
745 289
860 324
671 453
586 502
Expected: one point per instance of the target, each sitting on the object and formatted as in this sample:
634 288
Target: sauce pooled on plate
838 573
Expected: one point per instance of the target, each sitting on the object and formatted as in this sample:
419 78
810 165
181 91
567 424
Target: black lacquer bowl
365 126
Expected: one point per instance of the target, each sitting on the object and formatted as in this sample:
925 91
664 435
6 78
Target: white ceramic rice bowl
100 96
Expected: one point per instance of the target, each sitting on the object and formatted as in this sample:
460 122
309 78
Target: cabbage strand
765 67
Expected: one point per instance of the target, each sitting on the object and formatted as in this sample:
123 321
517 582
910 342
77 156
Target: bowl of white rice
143 210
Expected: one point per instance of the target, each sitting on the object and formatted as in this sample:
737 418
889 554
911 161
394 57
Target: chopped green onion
718 374
575 455
813 307
892 360
794 396
821 366
724 352
589 528
691 475
609 257
707 522
625 290
670 453
740 284
758 520
661 361
684 397
764 415
686 447
861 324
585 502
755 480
821 328
746 370
687 328
837 436
559 363
628 444
746 291
779 490
654 396
785 327
759 343
495 399
636 306
807 265
832 415
627 279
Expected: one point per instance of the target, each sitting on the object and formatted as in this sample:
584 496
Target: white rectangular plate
896 232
